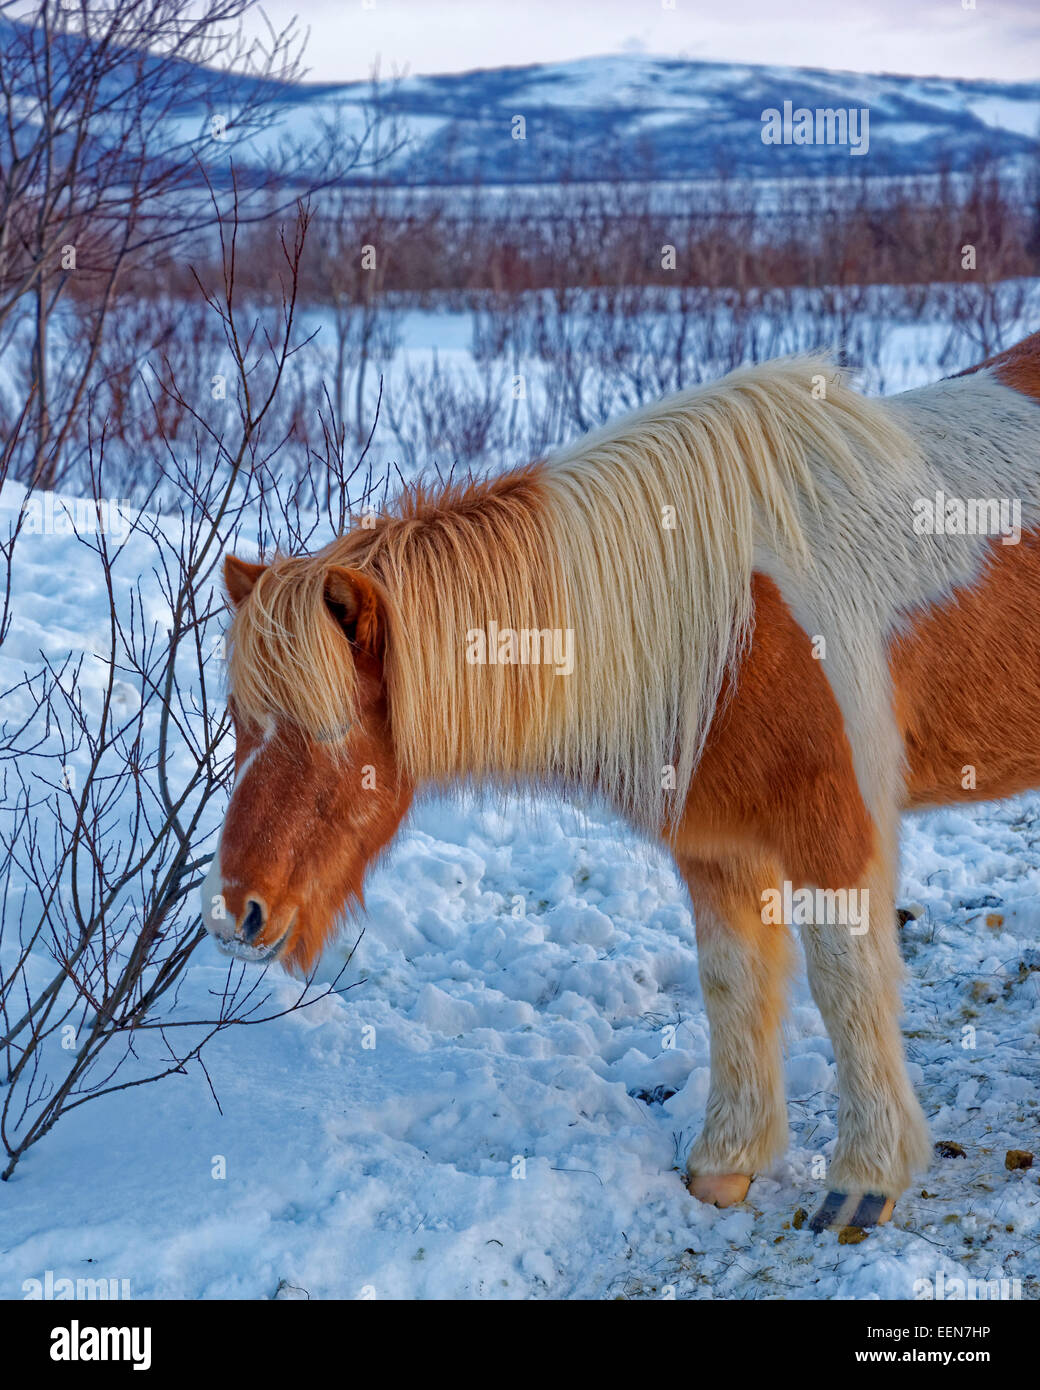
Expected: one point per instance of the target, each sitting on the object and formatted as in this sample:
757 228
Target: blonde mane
640 538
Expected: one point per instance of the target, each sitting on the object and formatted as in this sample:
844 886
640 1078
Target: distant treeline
422 242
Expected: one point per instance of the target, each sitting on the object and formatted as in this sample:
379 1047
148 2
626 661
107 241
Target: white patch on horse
270 729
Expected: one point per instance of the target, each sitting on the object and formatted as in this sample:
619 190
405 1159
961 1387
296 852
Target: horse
792 613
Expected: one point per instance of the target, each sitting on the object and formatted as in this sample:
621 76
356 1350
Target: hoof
840 1209
719 1189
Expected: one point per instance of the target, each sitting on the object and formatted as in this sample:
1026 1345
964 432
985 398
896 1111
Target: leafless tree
109 114
105 789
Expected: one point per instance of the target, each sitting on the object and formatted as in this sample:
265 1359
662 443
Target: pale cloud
997 39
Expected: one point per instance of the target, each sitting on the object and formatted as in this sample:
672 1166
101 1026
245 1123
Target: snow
496 1106
1008 113
908 132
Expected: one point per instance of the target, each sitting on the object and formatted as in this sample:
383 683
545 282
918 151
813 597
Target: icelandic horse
773 658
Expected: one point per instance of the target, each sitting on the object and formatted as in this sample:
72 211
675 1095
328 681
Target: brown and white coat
771 664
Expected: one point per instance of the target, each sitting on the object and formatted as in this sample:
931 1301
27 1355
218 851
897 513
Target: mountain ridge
624 116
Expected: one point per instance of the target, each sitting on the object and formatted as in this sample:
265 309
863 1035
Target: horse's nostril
252 922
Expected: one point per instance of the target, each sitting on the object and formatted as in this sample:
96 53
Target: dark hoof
840 1209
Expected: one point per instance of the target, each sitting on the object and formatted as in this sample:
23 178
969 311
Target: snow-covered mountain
661 118
665 118
630 116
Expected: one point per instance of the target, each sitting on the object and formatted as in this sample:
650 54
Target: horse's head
318 792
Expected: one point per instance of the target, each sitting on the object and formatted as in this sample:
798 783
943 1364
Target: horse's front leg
743 966
855 971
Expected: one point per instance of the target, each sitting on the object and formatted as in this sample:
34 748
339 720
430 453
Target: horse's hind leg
743 966
855 976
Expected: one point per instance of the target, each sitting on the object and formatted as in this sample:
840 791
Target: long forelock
288 659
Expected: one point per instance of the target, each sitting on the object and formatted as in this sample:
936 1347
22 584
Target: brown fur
303 838
1017 366
776 777
967 678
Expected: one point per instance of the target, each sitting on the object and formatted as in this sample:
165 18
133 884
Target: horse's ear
239 578
356 604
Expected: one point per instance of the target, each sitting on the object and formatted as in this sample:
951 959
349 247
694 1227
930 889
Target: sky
960 38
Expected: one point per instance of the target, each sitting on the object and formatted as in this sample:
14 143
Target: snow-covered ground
497 1105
